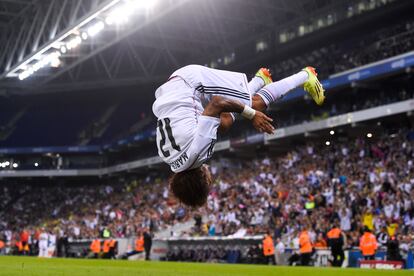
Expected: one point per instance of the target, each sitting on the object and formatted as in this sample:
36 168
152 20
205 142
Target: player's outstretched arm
219 105
226 121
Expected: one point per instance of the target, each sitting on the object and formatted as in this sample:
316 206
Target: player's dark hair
191 187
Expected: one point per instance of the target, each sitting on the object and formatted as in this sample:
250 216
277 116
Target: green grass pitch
72 267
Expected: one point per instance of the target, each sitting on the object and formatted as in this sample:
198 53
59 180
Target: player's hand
262 123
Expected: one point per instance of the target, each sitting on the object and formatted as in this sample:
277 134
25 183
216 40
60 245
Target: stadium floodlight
37 66
121 14
21 71
96 28
118 16
74 42
116 11
24 74
327 143
36 164
369 135
147 5
84 35
15 165
7 163
55 62
332 132
42 62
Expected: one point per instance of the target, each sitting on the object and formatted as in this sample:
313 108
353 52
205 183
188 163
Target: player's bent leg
307 78
276 90
260 79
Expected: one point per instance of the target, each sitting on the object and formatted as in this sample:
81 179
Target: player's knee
191 187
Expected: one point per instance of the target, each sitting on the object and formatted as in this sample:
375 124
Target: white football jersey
43 240
186 138
43 236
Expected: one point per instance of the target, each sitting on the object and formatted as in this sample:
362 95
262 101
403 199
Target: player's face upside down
192 187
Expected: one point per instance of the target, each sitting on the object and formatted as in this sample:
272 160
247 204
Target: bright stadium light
118 16
24 75
332 132
55 62
96 28
114 12
121 14
369 135
42 62
15 165
5 164
37 66
36 164
84 35
327 143
109 20
20 70
74 42
147 5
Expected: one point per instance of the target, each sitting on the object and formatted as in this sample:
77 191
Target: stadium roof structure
58 45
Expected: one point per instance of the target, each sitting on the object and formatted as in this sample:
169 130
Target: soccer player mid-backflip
196 101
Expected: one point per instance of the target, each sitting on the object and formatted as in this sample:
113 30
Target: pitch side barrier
335 121
320 258
237 248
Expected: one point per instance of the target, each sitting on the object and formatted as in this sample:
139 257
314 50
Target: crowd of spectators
363 182
359 183
85 211
354 52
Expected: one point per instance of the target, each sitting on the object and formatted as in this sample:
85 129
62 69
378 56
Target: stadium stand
381 44
359 183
